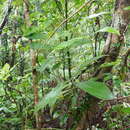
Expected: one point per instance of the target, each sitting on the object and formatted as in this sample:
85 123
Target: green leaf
4 72
18 2
110 30
73 42
15 120
36 45
127 8
35 35
51 98
5 109
126 110
108 64
97 89
46 63
97 15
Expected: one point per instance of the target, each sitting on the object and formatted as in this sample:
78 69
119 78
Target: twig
118 99
71 16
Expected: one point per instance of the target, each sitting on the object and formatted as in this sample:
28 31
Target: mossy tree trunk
120 21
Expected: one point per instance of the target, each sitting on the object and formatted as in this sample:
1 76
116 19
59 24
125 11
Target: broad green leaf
97 89
45 64
51 98
96 15
36 45
35 35
110 30
73 42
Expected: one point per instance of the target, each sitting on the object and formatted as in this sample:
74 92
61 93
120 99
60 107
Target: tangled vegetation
64 64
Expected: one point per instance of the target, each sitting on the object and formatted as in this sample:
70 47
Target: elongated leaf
36 45
35 35
45 64
97 89
73 42
51 98
97 15
110 30
108 64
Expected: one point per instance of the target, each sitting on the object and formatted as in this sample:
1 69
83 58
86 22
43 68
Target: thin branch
120 98
71 16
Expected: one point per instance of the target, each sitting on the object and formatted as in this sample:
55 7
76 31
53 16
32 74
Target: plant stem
66 39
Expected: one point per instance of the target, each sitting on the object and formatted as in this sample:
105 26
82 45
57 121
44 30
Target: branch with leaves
70 17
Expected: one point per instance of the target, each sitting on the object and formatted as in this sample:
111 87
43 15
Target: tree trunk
34 62
112 48
7 13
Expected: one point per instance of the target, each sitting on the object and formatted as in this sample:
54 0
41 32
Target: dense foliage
50 51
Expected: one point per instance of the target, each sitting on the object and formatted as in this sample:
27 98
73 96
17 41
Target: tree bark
34 62
120 21
7 13
114 42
